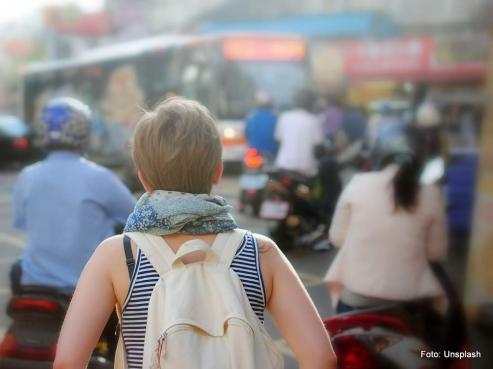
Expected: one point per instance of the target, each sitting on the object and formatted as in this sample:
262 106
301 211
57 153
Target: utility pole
479 280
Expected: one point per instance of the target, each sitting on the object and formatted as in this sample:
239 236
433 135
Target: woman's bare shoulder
111 244
265 244
269 252
109 249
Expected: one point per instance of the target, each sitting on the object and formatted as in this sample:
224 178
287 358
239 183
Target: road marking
12 240
310 280
284 348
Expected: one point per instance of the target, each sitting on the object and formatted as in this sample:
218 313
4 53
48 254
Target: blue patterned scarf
164 212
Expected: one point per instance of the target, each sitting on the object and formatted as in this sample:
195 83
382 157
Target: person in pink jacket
388 228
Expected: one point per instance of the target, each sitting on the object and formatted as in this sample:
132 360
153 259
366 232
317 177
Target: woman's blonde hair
177 147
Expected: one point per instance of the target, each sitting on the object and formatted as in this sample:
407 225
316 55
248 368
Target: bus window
156 77
235 90
194 67
244 79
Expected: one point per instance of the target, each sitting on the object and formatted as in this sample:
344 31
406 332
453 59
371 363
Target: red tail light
27 303
253 160
20 143
337 324
353 354
9 348
286 181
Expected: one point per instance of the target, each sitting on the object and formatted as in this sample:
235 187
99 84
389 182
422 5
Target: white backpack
199 315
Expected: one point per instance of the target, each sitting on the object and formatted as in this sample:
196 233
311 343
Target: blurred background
373 56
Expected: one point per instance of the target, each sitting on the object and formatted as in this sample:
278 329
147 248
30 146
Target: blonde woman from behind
198 280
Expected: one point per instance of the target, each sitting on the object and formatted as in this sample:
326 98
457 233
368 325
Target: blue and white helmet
65 122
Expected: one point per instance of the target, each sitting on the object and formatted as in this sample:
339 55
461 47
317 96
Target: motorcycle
253 181
37 314
303 207
290 202
398 337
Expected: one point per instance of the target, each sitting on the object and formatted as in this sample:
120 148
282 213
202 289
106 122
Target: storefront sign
399 58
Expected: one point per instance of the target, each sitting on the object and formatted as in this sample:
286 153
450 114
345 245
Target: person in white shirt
298 132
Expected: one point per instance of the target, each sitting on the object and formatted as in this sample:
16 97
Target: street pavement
310 266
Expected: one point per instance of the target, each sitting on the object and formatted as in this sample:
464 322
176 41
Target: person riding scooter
66 203
260 126
389 228
299 131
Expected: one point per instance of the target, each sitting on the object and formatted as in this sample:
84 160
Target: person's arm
248 129
293 311
318 132
19 203
341 218
350 152
437 240
116 198
278 129
92 304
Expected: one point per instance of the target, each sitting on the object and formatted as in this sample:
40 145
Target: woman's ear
147 188
218 174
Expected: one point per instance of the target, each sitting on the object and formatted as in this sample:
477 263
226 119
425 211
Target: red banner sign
388 58
413 59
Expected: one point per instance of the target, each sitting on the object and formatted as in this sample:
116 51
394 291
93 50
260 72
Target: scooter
396 337
289 201
37 314
303 207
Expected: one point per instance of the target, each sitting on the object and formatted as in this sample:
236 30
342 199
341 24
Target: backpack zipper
161 348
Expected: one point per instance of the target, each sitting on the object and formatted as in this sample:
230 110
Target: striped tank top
134 317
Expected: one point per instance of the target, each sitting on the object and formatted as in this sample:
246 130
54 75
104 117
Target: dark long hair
405 183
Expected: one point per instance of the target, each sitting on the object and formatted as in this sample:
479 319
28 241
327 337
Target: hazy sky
14 9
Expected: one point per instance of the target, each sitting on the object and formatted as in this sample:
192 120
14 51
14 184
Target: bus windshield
228 81
241 83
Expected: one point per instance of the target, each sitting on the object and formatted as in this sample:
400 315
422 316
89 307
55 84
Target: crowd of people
385 223
290 138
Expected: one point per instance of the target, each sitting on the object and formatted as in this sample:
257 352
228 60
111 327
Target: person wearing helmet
388 228
386 122
260 126
66 203
389 129
299 131
431 142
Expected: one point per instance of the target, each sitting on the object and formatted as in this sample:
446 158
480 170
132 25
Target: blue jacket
67 205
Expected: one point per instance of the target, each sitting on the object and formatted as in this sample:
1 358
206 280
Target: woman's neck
177 239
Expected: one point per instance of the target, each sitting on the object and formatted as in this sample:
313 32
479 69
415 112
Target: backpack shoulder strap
226 245
155 248
162 257
129 257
